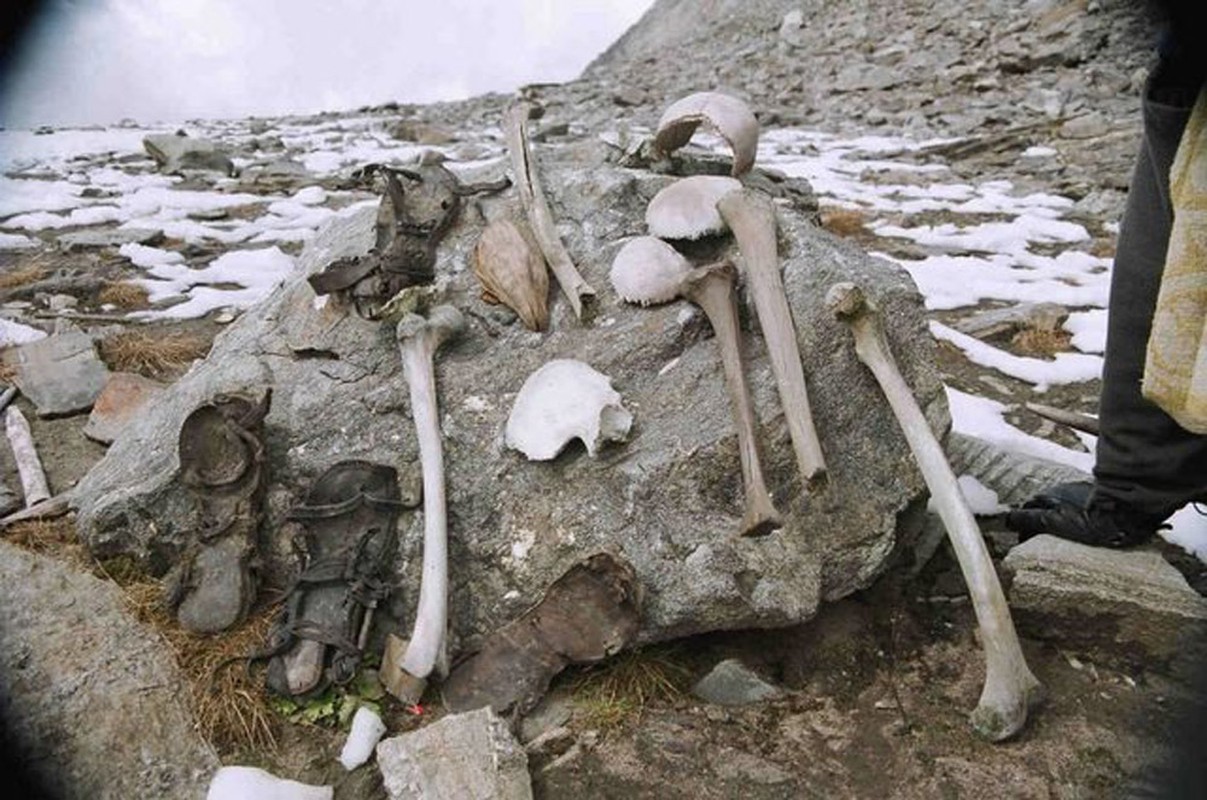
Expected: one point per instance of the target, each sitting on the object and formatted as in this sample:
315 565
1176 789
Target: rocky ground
871 696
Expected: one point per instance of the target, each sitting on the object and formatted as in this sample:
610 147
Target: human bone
564 400
727 115
687 208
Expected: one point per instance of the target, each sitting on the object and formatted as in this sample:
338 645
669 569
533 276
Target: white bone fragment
418 341
687 208
367 730
1010 690
29 466
727 115
250 783
562 401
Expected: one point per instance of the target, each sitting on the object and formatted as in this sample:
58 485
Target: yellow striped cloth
1175 372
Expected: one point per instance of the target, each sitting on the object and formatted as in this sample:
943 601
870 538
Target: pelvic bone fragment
562 401
751 217
1010 690
513 273
406 676
727 115
648 270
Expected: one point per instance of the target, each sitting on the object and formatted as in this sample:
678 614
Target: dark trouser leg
1144 458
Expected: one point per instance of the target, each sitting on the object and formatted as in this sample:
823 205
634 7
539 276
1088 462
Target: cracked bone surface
540 218
648 270
1010 690
418 341
751 217
727 115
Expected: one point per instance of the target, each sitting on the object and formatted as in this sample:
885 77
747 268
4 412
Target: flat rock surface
122 400
469 756
1133 603
91 700
60 374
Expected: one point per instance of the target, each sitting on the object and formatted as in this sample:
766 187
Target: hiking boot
1075 512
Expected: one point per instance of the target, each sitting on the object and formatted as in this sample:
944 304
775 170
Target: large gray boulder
91 700
669 500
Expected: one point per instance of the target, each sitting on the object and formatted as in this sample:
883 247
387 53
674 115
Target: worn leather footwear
221 451
1075 512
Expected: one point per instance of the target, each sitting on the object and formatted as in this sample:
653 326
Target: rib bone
418 341
1010 690
540 218
751 217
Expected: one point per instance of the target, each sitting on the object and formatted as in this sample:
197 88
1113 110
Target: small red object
416 709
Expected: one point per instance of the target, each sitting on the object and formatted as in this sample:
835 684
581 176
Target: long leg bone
1010 690
751 217
648 270
29 466
537 208
711 288
418 341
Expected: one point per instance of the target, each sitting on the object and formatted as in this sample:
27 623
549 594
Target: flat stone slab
60 374
470 756
176 153
92 701
114 237
1129 604
123 398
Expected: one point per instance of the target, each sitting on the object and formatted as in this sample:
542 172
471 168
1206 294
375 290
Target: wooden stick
540 218
56 506
29 466
1075 420
1010 690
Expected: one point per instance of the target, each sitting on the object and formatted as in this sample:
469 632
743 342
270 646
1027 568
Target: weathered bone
728 115
648 270
711 288
540 218
29 466
1010 690
418 341
751 217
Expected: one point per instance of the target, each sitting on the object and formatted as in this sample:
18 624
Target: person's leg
1146 466
1145 460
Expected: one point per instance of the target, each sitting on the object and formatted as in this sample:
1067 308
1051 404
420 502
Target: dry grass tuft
844 221
152 355
618 690
50 537
123 294
22 275
232 708
1042 343
8 372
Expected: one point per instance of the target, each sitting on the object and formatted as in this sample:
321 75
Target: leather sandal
349 540
221 451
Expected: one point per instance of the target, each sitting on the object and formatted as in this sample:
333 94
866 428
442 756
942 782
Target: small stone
731 683
62 302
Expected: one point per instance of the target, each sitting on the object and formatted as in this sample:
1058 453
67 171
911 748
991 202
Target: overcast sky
90 61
